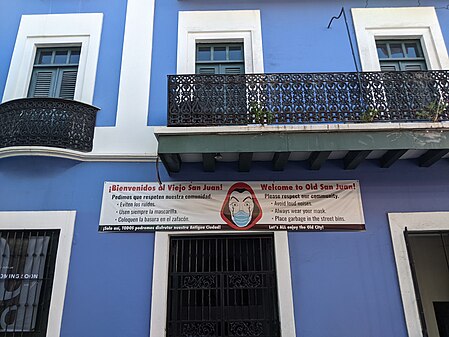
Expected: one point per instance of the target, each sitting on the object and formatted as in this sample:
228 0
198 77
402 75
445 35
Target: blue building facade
325 112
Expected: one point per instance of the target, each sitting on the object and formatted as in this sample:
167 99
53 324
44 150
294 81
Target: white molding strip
42 151
420 221
65 222
134 90
131 138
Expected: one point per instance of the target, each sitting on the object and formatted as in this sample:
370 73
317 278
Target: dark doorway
429 259
222 286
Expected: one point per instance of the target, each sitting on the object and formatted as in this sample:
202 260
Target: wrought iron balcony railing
207 100
49 122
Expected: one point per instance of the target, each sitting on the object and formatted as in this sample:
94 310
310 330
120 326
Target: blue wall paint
345 284
299 42
109 285
109 62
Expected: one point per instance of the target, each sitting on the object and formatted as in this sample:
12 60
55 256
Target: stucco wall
344 284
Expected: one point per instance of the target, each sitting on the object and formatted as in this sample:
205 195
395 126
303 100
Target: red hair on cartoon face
241 209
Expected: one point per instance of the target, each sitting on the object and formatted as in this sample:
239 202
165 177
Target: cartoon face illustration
240 209
241 206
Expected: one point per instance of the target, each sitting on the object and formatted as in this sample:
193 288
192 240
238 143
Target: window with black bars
222 286
27 262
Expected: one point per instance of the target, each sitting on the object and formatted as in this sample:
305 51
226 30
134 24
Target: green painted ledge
303 141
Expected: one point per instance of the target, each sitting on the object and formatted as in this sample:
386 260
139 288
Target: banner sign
255 205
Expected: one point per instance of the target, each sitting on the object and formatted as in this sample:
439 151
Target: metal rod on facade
342 12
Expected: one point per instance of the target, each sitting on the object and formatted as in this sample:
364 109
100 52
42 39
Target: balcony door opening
222 286
410 91
219 58
219 90
429 260
400 55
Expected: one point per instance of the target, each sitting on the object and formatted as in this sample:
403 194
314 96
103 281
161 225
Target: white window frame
219 27
55 30
419 221
65 222
160 281
418 23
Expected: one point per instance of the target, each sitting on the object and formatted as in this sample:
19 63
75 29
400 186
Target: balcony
289 99
49 122
311 118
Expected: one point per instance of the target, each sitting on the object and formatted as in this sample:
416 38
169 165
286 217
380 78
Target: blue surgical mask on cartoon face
241 218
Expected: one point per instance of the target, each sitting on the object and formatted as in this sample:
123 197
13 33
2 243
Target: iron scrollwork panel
199 329
47 122
199 282
246 328
307 97
245 280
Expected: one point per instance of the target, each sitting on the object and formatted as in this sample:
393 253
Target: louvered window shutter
55 72
220 59
417 65
67 84
206 70
389 67
232 69
42 83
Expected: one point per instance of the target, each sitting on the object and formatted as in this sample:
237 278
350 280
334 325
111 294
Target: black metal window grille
207 100
222 286
48 122
27 262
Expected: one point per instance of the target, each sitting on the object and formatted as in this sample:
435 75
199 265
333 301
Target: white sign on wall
256 205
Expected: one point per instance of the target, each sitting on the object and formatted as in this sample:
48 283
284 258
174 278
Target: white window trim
53 30
219 27
160 282
421 221
421 23
65 222
138 140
